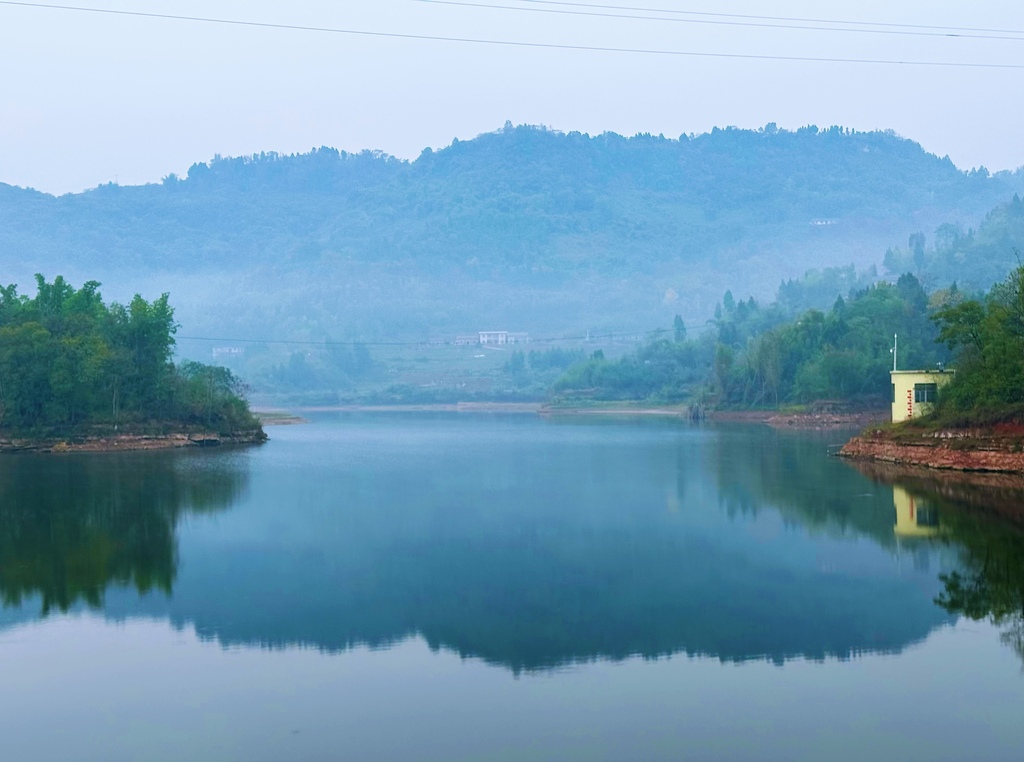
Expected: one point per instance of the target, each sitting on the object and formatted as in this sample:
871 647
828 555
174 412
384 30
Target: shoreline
776 419
795 420
277 417
127 442
647 410
439 407
962 451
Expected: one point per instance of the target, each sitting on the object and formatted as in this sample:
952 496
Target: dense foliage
661 371
68 360
330 366
987 335
756 357
842 354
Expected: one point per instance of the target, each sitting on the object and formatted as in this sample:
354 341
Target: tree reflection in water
70 526
980 516
573 555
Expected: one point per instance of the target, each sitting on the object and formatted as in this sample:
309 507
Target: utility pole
893 350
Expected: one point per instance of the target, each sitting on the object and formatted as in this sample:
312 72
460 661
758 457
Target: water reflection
790 473
978 516
916 517
71 527
591 541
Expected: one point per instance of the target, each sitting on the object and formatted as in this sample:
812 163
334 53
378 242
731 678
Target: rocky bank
997 449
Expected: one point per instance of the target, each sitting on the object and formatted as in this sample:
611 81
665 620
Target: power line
517 43
782 23
772 18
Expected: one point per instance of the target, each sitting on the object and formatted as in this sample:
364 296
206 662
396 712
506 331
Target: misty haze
521 380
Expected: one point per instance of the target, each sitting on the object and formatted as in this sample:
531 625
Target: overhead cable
674 11
781 24
522 43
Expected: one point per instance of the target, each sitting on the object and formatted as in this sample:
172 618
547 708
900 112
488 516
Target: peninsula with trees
977 423
78 374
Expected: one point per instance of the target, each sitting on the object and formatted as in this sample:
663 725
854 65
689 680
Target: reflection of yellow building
914 391
914 517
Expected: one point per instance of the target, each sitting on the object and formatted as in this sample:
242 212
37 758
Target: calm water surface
420 586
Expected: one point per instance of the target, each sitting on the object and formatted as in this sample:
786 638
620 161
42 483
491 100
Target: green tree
987 337
516 364
679 329
66 359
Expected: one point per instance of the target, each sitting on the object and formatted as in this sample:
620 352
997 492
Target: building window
893 393
925 392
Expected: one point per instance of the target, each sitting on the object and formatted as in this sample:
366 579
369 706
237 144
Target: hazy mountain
524 228
974 258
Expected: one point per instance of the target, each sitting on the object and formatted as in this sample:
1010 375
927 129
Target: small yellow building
914 391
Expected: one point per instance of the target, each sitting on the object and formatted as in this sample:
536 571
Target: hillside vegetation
974 259
524 228
764 356
759 357
987 336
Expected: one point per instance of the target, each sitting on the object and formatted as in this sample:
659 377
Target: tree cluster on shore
69 362
986 335
754 358
758 356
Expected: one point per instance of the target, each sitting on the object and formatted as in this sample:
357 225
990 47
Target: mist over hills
525 228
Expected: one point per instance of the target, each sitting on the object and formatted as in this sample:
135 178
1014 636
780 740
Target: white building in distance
494 338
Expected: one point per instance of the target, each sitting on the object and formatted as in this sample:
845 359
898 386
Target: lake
398 586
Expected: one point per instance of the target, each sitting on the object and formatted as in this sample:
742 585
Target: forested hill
524 228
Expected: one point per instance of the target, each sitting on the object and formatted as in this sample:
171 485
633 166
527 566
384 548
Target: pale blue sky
87 98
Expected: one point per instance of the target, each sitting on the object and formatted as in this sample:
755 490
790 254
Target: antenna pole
895 344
